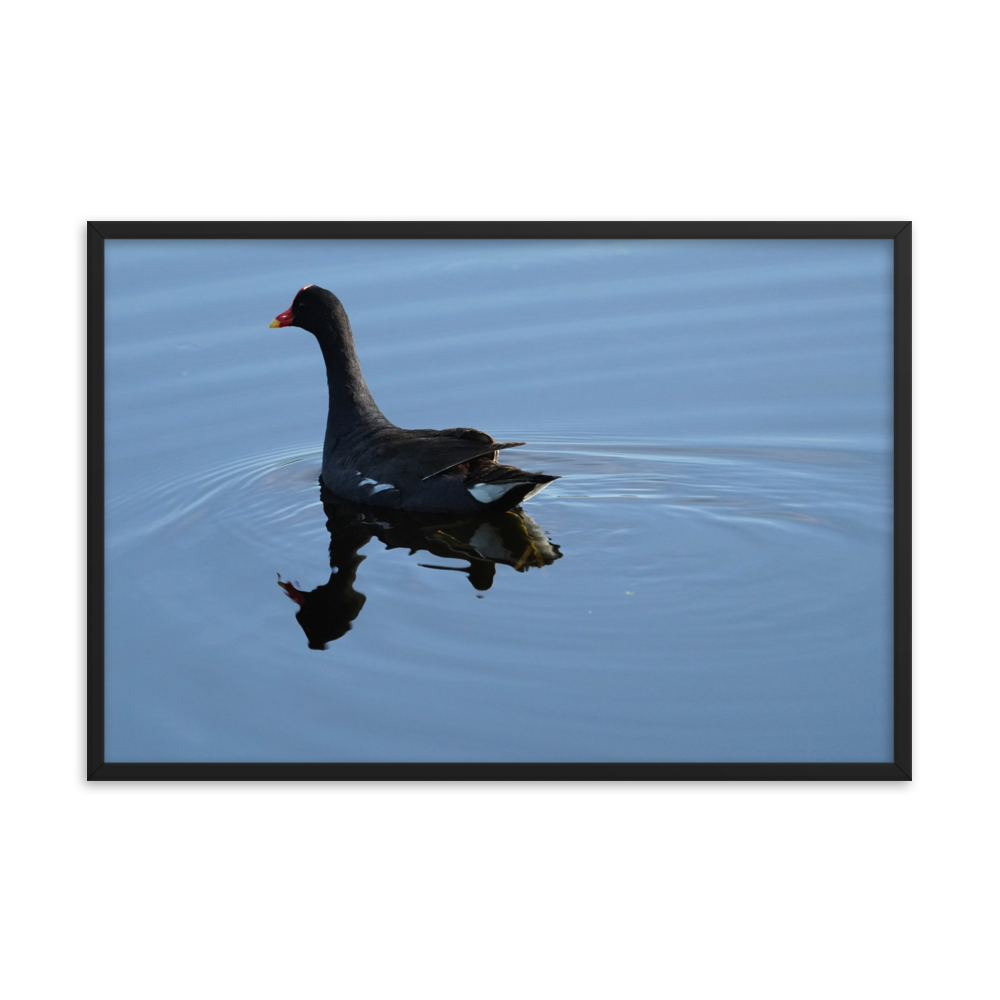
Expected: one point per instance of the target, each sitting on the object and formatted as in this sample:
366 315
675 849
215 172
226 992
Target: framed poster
654 522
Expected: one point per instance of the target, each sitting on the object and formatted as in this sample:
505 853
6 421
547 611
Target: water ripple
259 495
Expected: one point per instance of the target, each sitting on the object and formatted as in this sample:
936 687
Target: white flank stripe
364 482
383 486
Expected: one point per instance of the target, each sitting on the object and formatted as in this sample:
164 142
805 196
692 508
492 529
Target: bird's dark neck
351 405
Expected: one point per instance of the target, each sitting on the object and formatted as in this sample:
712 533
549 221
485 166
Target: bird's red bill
282 319
286 318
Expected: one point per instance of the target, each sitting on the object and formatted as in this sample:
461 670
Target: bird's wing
427 453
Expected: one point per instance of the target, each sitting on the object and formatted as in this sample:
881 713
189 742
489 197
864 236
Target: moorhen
368 460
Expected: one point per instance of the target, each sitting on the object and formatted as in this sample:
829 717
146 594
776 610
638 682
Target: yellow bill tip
273 324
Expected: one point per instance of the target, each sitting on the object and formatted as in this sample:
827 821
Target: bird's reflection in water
512 539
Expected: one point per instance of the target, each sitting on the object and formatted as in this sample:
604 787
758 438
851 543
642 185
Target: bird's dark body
369 460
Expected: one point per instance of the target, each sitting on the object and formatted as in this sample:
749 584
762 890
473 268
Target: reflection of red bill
289 588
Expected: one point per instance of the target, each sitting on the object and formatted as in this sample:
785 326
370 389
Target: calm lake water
709 580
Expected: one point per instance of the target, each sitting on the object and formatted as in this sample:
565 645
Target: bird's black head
314 309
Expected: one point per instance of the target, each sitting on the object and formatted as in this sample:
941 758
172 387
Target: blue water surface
718 585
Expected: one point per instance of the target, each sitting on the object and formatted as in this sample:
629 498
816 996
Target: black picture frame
900 769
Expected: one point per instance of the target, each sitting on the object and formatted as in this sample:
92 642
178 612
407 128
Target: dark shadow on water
511 539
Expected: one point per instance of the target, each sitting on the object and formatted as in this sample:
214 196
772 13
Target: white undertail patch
537 489
488 492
